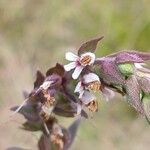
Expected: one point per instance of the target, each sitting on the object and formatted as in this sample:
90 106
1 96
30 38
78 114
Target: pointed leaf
110 72
89 46
145 84
39 79
133 93
29 112
73 131
44 143
146 105
131 56
58 69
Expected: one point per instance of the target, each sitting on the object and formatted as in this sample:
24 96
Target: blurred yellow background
35 34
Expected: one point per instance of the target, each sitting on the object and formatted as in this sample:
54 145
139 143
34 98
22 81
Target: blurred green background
35 34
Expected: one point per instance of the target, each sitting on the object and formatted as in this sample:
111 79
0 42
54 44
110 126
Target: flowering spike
55 94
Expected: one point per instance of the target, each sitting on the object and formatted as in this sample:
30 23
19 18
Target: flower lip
93 106
87 59
92 81
94 86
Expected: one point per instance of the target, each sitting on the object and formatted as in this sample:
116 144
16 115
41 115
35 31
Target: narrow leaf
133 93
73 131
145 84
39 79
146 105
131 56
44 143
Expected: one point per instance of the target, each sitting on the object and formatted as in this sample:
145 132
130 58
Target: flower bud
126 69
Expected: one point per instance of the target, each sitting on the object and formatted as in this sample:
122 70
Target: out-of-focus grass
34 34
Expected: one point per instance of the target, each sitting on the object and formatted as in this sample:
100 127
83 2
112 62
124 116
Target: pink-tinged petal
87 97
77 72
71 57
90 77
70 66
91 55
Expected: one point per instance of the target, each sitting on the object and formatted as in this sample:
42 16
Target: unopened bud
126 69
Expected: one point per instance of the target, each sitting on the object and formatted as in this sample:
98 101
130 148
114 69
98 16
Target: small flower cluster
89 82
69 91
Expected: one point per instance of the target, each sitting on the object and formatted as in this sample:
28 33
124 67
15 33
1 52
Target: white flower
79 62
89 81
